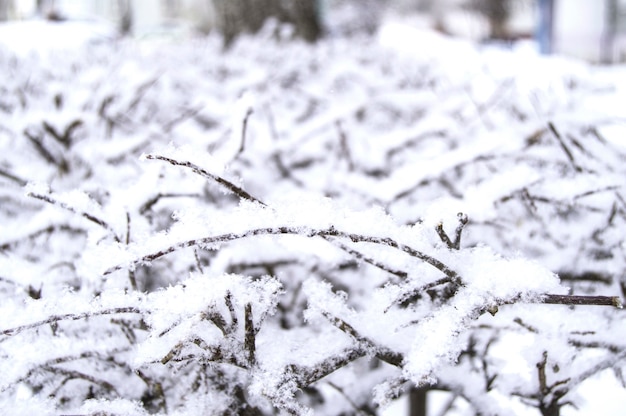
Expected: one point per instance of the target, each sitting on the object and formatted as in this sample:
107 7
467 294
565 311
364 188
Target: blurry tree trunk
5 9
240 16
47 9
497 13
126 16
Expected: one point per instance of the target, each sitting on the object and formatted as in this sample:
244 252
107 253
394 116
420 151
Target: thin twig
250 335
208 175
463 220
86 215
308 232
48 230
414 292
566 150
146 206
360 256
443 236
131 273
245 195
244 129
69 317
14 178
382 353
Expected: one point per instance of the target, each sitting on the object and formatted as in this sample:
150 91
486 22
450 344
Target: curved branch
86 215
308 232
68 317
208 175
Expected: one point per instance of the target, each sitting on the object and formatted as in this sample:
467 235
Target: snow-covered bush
296 228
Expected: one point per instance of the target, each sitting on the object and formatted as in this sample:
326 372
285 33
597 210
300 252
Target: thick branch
250 335
583 300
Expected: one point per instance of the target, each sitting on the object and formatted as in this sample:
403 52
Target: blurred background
593 30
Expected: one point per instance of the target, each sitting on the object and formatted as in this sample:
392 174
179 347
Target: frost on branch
166 250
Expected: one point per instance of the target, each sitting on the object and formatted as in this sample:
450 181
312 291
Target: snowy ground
419 119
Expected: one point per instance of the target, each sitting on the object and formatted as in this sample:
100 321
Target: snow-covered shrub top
187 230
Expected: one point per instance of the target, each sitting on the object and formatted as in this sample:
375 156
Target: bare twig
583 300
566 150
48 230
308 232
152 201
443 236
245 195
198 262
69 317
228 300
14 178
456 244
244 129
74 374
64 138
344 147
360 256
37 141
131 273
382 353
463 220
86 215
404 297
357 409
208 175
250 335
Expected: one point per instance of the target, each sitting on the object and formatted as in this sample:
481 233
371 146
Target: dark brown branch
360 256
152 201
204 173
443 236
344 147
14 178
404 297
73 374
244 129
308 232
245 195
463 220
86 215
566 150
382 353
228 300
583 300
306 376
456 244
250 335
48 230
359 410
68 317
65 138
37 141
131 273
184 115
